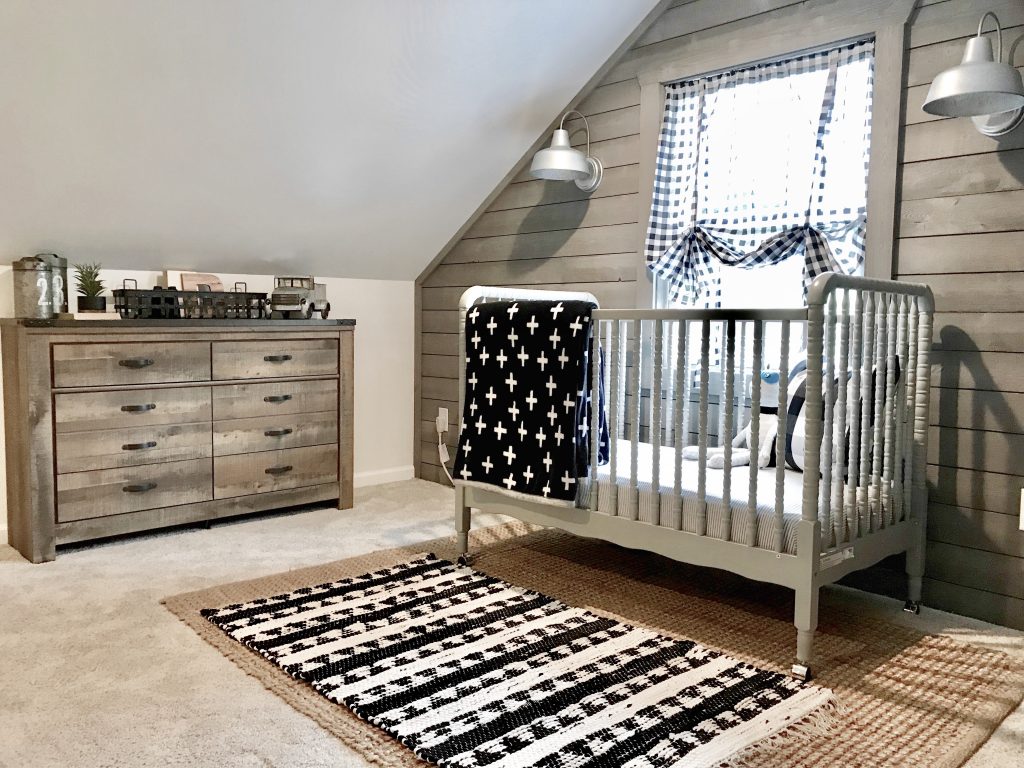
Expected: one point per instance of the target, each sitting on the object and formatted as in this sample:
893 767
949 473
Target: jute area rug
905 699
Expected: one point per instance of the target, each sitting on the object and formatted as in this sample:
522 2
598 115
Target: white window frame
780 35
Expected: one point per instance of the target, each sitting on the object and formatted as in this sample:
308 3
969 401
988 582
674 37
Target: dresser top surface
172 325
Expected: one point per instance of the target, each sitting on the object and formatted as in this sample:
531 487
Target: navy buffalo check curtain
762 164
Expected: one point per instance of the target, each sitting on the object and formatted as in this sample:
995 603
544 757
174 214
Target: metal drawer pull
278 470
139 446
139 488
277 432
138 408
277 358
277 398
135 362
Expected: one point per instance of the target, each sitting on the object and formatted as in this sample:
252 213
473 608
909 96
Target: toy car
297 296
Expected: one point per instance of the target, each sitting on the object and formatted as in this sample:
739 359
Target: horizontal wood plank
987 571
441 366
705 14
440 389
1000 252
604 126
440 343
596 212
987 291
609 96
953 21
953 176
999 371
591 241
976 529
987 606
952 138
571 269
979 410
980 331
977 449
609 295
977 490
526 194
992 212
612 153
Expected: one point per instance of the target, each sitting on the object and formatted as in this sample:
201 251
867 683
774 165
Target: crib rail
685 381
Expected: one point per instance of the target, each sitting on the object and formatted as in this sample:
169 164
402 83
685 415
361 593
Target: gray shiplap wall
961 230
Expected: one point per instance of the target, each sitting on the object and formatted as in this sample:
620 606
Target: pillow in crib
796 416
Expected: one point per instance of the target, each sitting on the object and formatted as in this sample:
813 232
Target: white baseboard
380 476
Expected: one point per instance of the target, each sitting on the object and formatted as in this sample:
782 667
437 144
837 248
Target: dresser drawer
267 434
100 365
274 470
241 401
111 448
105 492
87 411
274 358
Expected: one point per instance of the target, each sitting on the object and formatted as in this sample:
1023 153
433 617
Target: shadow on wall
955 341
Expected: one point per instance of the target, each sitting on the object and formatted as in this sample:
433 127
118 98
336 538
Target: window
761 180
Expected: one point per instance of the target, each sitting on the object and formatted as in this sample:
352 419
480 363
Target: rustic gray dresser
119 426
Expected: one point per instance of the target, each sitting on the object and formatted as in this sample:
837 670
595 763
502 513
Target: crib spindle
828 440
635 410
909 405
726 440
681 405
839 448
780 440
595 410
755 432
853 464
888 447
863 505
881 346
741 377
702 428
901 411
614 411
656 438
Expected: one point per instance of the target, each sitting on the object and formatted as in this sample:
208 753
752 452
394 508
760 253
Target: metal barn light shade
560 162
982 87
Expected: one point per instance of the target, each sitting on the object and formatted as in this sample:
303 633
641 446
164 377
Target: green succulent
87 277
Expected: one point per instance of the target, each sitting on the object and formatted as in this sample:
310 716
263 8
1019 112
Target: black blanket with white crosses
526 419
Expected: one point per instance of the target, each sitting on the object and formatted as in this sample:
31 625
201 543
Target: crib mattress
613 497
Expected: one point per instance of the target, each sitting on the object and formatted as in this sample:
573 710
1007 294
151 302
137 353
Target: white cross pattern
584 428
491 325
512 311
546 489
502 359
522 431
466 474
531 400
556 309
513 337
547 461
476 340
568 403
511 381
514 410
480 425
467 447
542 360
528 474
483 356
541 437
500 431
472 408
562 358
576 325
551 385
554 338
472 380
490 396
567 481
523 357
533 325
509 454
509 482
552 415
559 436
474 314
487 465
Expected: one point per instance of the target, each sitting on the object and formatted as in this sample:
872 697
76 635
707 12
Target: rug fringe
822 722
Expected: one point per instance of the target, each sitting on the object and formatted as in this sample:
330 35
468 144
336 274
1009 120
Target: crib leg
805 617
915 571
462 523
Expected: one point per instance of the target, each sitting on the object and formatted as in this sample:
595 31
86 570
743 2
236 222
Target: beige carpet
908 699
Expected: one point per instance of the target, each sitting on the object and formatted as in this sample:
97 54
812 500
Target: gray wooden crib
689 378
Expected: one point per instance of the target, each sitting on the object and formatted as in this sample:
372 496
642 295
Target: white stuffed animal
768 428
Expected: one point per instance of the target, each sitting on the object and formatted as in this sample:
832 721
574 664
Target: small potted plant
87 277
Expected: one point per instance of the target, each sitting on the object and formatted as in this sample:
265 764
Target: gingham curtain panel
762 164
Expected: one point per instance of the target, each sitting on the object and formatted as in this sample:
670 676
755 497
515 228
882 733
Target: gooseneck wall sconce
560 162
982 87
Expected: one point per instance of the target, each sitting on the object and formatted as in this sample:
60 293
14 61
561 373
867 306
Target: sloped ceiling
347 138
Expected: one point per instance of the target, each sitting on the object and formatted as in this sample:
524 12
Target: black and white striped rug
468 670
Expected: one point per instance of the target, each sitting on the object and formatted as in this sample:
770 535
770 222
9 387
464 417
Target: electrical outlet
442 420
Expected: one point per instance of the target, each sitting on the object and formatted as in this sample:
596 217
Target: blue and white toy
768 429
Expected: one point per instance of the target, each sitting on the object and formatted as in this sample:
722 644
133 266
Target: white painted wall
384 356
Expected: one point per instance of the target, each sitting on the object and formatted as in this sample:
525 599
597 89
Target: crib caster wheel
912 606
801 672
465 560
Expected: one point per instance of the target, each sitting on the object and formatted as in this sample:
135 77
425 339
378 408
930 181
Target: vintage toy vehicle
296 296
